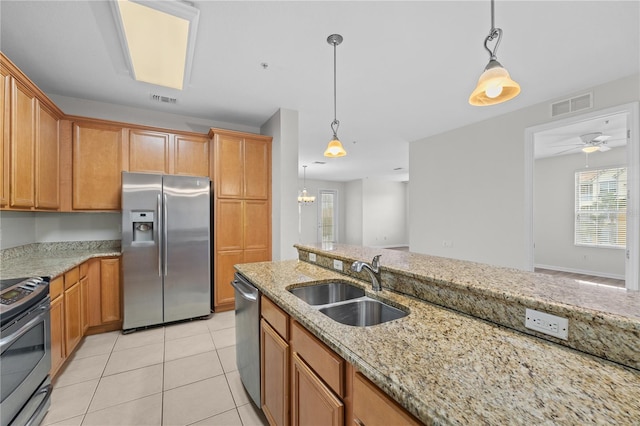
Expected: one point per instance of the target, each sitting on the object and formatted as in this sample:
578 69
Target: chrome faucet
373 270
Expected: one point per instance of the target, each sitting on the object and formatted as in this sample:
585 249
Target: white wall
467 185
554 204
384 217
354 212
17 229
145 117
283 127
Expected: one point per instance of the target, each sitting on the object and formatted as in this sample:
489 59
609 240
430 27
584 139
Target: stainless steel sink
325 293
363 312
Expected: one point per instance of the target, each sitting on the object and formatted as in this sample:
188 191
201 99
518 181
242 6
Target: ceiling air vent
163 99
574 104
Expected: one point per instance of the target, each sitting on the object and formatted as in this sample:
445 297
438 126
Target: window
601 207
328 226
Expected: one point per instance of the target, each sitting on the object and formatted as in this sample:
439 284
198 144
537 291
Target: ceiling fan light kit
495 84
334 148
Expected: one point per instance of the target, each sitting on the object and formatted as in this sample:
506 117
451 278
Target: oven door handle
46 391
7 340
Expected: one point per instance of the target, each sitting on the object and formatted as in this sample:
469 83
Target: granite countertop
52 259
450 368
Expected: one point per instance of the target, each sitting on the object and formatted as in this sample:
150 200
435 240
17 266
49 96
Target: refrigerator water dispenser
142 226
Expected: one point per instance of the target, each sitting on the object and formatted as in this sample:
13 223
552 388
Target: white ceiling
405 69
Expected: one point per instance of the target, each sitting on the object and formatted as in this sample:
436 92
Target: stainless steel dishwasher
248 335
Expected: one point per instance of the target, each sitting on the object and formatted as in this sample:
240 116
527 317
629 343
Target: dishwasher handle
247 291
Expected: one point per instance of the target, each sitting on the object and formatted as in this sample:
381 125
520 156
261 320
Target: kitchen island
447 367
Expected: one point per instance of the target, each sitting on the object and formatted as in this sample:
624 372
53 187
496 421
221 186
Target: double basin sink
347 304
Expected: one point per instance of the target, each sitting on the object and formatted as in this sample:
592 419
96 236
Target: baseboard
580 271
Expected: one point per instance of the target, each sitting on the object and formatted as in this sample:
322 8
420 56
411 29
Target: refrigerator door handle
166 234
159 233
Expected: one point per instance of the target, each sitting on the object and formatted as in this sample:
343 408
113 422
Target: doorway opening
582 192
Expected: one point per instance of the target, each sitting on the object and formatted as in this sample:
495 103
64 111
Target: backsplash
603 321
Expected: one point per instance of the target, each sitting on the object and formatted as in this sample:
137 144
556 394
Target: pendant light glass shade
335 148
495 84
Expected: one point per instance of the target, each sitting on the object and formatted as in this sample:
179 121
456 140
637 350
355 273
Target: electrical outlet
312 257
548 324
337 264
447 243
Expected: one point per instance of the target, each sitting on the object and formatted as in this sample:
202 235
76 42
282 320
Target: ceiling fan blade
601 138
603 148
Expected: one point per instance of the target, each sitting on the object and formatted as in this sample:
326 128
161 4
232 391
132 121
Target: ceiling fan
590 143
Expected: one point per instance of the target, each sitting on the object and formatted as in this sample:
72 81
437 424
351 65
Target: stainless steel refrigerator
165 248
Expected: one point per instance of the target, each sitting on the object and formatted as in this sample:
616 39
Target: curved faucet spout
373 270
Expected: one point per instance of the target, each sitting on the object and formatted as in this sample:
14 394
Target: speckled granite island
448 367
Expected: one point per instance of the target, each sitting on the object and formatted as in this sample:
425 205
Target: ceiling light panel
158 39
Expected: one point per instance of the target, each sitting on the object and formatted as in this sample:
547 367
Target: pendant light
304 197
495 85
335 148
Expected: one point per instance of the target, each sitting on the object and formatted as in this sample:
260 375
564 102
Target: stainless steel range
25 351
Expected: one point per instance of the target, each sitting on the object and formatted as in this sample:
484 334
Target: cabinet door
257 225
229 225
191 155
94 296
312 402
22 145
274 372
148 151
5 90
110 290
257 169
84 304
372 407
72 317
97 167
229 166
47 160
224 296
57 334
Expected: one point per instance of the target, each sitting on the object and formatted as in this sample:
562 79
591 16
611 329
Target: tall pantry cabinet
242 210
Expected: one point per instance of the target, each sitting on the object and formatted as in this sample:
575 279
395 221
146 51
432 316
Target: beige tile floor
181 374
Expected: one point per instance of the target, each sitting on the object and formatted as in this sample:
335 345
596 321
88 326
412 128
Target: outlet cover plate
312 257
546 323
337 264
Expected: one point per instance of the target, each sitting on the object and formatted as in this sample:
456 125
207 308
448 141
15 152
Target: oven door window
21 357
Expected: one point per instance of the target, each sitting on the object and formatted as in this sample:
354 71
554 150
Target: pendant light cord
335 123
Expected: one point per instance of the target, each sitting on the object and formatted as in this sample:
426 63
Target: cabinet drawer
276 317
71 277
372 407
56 287
326 364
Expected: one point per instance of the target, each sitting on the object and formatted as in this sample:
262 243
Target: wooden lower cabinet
312 402
304 382
72 317
58 351
85 300
274 369
372 407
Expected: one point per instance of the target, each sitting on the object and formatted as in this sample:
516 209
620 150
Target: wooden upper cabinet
229 166
47 160
97 166
22 145
257 168
4 132
148 151
242 165
191 155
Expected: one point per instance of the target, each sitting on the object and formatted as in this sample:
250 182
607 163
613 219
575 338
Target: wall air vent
577 103
319 162
163 99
